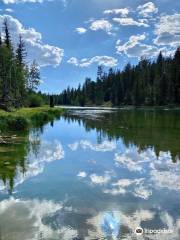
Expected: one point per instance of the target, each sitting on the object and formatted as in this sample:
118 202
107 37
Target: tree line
149 82
18 80
152 83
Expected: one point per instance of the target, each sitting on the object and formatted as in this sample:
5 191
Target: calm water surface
91 171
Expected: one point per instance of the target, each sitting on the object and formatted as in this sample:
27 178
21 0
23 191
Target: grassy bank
27 117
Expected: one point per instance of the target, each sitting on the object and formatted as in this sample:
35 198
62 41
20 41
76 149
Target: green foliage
13 123
144 127
150 83
13 153
34 77
17 79
51 101
34 100
26 117
17 123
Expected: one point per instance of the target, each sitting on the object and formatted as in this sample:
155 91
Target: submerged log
7 139
2 141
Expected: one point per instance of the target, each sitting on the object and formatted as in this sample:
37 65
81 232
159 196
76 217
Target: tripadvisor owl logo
139 231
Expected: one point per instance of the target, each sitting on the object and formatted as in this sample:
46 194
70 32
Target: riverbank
123 107
24 118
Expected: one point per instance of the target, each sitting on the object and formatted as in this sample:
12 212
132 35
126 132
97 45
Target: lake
93 174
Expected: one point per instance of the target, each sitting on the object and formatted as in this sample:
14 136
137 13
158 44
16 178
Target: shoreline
25 118
128 107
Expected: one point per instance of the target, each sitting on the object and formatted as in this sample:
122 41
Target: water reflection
26 158
104 146
34 219
13 156
91 169
139 129
152 171
143 128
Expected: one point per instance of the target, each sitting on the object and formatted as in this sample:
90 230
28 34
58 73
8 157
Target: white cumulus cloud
106 61
82 174
168 30
44 54
101 24
9 10
130 22
64 2
122 11
81 30
135 48
99 179
168 23
147 9
23 1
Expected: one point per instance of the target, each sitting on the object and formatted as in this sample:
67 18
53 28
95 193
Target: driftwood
2 141
6 139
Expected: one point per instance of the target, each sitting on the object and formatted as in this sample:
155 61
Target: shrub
23 119
51 101
35 100
40 118
17 123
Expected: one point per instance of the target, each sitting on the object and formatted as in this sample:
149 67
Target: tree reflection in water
143 128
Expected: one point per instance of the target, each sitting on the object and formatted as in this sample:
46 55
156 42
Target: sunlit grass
25 117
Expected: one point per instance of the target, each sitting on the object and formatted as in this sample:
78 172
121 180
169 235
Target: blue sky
70 38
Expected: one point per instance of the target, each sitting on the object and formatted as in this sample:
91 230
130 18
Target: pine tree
177 75
20 74
21 52
7 34
148 83
51 101
14 72
34 77
7 64
1 40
